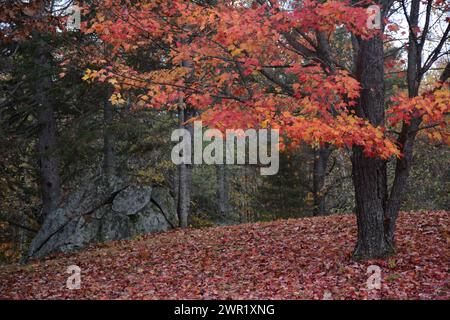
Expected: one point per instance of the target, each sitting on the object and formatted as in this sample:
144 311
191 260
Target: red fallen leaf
274 260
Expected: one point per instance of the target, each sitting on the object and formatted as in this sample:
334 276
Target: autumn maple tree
241 64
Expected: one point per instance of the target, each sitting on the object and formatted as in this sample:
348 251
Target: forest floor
306 258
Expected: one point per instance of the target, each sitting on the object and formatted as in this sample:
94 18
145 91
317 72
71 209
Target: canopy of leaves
243 66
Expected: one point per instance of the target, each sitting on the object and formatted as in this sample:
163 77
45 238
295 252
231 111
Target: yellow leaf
236 52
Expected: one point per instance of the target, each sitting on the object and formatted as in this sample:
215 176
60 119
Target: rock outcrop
105 210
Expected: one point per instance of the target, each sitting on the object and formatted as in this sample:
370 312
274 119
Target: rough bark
369 174
402 169
319 173
375 240
47 142
184 175
369 179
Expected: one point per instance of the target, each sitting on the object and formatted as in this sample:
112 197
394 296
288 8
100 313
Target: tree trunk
407 135
369 180
409 131
222 189
402 169
185 175
319 173
369 174
108 138
47 144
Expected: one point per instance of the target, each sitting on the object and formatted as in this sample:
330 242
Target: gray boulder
132 200
105 210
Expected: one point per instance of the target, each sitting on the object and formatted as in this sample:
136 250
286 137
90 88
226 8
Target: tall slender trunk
108 138
369 174
319 173
409 131
47 143
184 175
222 189
402 170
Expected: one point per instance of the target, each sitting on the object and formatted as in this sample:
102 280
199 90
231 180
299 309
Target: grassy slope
288 259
